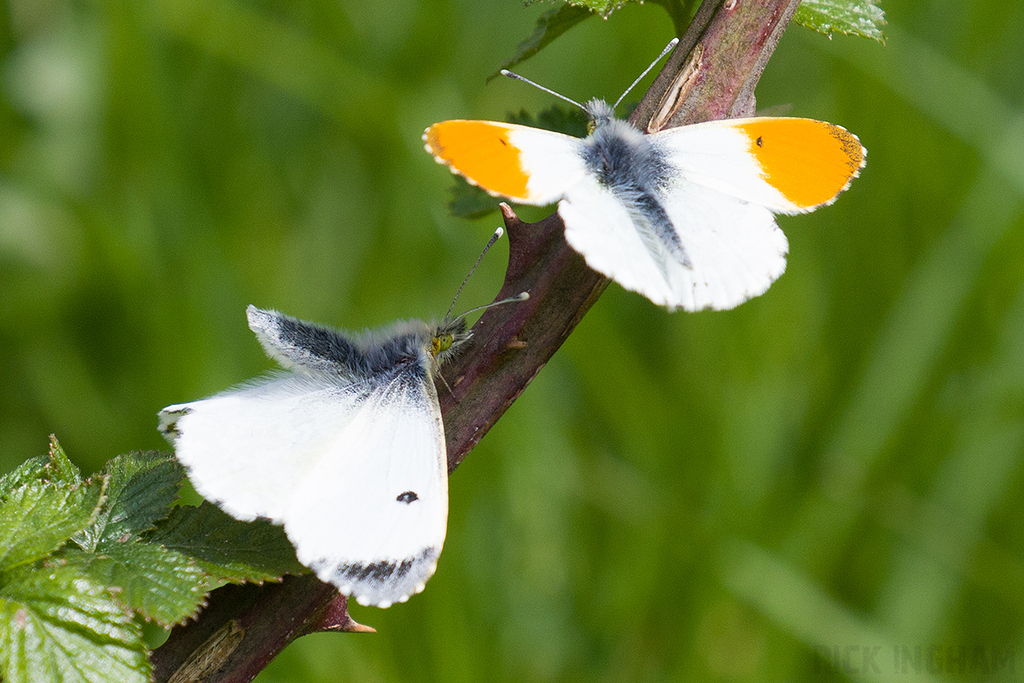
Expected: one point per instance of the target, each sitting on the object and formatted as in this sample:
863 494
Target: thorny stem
244 627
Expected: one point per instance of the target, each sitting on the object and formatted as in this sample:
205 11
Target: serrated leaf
141 489
160 584
56 625
33 469
851 17
227 548
61 468
54 468
550 25
38 518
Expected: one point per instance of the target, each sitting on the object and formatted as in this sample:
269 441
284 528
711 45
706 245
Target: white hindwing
356 472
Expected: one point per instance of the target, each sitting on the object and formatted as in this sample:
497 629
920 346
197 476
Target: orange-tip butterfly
684 216
345 447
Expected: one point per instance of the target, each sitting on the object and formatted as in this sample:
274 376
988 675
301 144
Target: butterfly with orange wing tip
684 216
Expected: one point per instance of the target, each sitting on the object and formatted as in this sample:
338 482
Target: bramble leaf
53 468
557 118
550 25
56 625
850 17
60 467
158 583
469 201
38 517
32 470
602 7
141 488
226 548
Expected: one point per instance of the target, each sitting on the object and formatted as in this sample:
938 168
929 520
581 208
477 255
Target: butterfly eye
591 126
441 342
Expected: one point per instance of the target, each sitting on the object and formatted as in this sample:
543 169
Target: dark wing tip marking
169 421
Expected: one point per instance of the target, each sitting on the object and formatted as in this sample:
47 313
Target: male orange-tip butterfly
345 447
684 216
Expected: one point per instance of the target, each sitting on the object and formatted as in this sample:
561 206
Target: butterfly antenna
524 79
521 296
668 48
490 243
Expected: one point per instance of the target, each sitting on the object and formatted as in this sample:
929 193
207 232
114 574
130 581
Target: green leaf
851 17
602 7
550 25
557 118
160 584
56 625
227 548
62 469
141 489
32 470
37 518
54 468
469 201
681 12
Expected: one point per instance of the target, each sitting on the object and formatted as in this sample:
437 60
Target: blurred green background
823 484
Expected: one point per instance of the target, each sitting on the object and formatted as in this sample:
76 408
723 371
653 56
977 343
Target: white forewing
331 461
247 448
552 161
716 155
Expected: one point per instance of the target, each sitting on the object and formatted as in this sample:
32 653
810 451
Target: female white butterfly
345 448
685 216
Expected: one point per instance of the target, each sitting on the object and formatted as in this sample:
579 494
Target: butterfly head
447 339
599 113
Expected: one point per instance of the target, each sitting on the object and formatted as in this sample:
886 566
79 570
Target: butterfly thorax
634 169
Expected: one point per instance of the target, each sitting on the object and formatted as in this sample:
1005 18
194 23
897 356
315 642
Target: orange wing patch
809 162
480 151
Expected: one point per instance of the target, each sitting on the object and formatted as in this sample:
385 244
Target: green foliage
57 625
601 7
550 25
80 556
851 17
558 118
226 548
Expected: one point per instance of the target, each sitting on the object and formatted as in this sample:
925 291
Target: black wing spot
759 141
407 497
502 141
